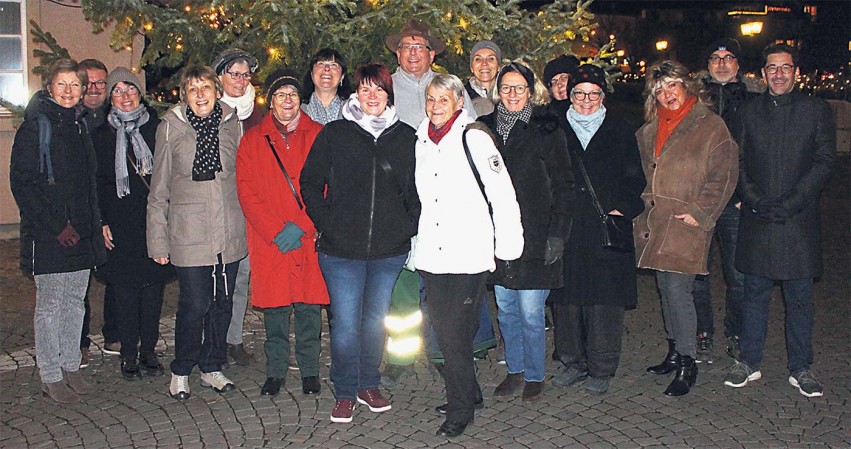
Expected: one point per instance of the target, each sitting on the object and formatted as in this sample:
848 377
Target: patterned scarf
371 124
585 126
506 119
126 125
321 114
207 159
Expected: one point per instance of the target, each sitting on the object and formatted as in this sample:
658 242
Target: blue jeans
360 299
521 322
798 299
727 231
203 314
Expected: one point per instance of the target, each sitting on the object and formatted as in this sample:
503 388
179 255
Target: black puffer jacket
535 155
128 263
359 211
45 206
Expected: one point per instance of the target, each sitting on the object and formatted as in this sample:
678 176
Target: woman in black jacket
125 163
52 177
358 188
599 283
535 154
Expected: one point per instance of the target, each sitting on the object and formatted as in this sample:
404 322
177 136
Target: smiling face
201 96
441 105
670 94
414 55
780 83
485 66
125 97
66 89
558 86
372 99
285 104
236 87
720 69
587 91
512 100
327 75
96 91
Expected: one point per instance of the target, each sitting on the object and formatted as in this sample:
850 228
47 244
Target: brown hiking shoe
532 391
59 392
511 383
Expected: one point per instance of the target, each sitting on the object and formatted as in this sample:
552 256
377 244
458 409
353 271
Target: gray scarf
505 119
321 114
126 125
585 126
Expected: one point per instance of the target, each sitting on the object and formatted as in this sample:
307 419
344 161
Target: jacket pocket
683 240
187 224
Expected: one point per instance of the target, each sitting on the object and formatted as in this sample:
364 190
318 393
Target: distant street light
751 28
662 45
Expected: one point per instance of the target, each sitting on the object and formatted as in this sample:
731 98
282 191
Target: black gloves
68 237
554 250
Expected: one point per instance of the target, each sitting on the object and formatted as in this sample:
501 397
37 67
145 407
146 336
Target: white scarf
244 105
372 124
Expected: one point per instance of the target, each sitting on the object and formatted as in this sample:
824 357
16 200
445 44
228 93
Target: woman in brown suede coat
691 165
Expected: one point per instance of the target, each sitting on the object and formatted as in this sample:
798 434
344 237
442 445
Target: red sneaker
342 411
374 400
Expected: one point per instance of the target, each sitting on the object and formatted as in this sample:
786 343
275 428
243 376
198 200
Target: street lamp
751 28
661 45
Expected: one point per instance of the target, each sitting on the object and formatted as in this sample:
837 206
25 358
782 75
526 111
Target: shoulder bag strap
284 171
475 170
136 169
594 198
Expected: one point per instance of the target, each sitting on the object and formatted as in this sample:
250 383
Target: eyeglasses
236 75
579 95
62 85
130 90
328 66
280 96
416 48
715 59
785 68
520 89
100 84
560 79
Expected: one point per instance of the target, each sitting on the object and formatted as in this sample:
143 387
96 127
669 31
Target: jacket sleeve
627 197
810 184
508 229
720 181
24 179
158 198
105 183
562 183
315 177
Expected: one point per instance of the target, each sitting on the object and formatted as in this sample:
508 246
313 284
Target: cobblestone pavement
767 414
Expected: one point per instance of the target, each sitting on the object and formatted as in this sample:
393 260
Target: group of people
509 180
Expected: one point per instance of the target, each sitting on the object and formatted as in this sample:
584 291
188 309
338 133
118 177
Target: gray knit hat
225 59
123 75
486 44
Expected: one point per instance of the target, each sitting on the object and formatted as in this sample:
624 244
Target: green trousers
308 327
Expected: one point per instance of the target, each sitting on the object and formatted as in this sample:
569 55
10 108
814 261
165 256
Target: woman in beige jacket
691 166
195 222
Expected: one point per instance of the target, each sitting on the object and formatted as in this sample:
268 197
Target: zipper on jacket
372 202
33 258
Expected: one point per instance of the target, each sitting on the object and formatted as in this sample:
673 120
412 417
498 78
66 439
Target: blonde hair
668 69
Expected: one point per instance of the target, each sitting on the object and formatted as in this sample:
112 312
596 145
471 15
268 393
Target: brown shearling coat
696 173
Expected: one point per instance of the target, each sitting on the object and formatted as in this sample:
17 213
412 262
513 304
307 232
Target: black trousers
590 337
139 310
110 318
454 302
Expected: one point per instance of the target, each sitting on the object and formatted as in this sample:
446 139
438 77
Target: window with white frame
12 61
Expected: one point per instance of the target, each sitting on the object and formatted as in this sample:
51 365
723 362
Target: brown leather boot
77 382
532 391
509 384
59 392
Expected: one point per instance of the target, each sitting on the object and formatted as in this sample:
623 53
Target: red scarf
436 134
288 129
669 119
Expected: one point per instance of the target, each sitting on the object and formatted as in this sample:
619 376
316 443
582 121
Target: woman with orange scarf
691 165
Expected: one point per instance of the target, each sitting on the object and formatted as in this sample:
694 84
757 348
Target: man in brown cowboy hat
415 49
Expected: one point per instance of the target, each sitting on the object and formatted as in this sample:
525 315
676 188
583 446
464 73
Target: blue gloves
289 238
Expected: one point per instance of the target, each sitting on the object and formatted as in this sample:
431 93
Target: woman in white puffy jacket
459 241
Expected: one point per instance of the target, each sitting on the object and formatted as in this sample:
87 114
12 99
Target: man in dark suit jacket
787 151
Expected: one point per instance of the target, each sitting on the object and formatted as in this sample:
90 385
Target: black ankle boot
685 378
670 363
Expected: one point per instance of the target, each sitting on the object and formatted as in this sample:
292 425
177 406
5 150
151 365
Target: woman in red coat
285 272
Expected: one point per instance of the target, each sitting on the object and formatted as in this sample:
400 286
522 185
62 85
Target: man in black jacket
787 150
728 93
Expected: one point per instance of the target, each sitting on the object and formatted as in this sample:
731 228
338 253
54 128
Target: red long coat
267 201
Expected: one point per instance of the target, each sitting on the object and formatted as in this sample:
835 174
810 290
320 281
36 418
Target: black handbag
616 229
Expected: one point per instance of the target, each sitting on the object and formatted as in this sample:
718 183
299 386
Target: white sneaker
217 381
179 387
